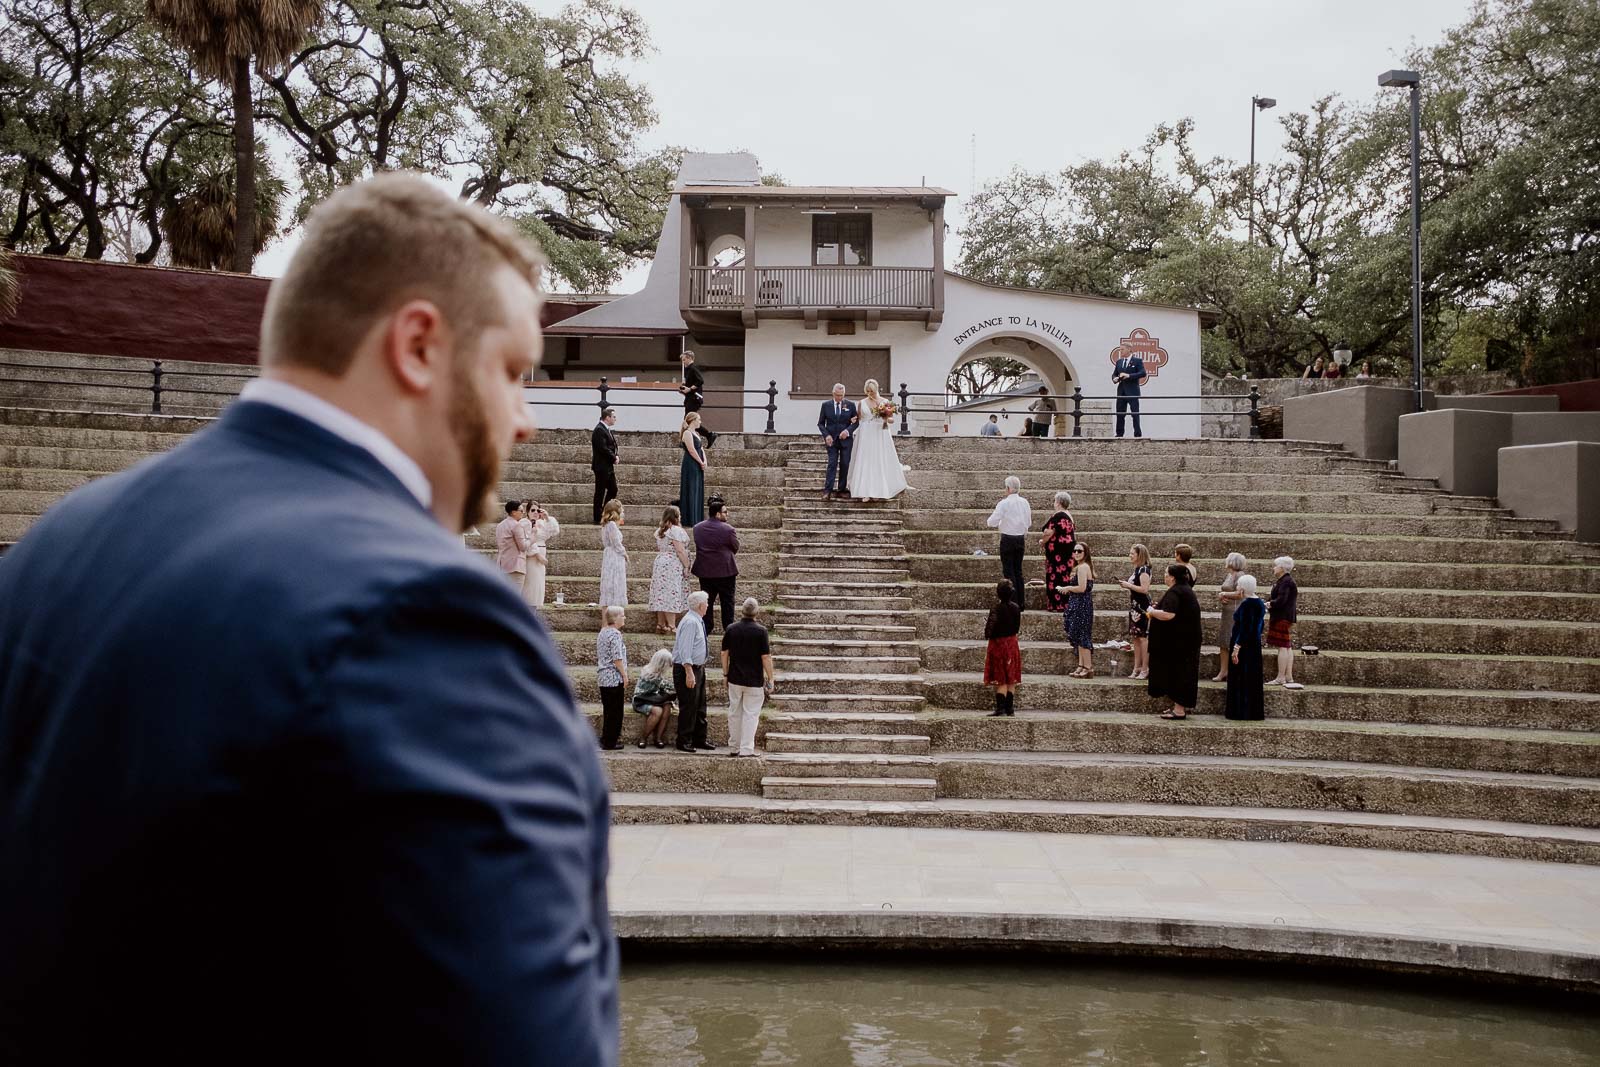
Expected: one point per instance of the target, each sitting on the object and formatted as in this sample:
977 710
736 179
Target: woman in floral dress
1060 535
669 590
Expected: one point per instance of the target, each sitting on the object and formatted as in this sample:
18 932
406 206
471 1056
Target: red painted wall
1575 396
98 308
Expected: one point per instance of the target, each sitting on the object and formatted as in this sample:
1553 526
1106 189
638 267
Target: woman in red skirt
1002 665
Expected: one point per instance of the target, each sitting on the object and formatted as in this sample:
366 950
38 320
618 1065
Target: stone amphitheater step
1570 754
1369 521
1460 707
786 664
785 703
1542 799
888 744
847 764
1403 833
846 618
1272 505
829 604
1381 670
1527 637
868 789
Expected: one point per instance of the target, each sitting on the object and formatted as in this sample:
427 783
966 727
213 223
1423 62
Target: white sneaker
1293 685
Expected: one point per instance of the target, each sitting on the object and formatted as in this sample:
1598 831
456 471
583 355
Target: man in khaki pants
747 666
512 544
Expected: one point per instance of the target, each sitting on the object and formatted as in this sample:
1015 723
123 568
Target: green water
732 1012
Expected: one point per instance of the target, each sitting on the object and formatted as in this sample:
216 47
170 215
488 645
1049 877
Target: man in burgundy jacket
715 543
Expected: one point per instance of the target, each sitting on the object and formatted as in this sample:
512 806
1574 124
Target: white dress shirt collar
346 427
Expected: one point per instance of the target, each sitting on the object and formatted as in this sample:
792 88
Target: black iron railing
154 379
1253 399
605 392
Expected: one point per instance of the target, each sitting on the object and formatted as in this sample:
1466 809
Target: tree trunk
244 169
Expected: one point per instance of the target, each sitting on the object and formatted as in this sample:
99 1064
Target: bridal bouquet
886 411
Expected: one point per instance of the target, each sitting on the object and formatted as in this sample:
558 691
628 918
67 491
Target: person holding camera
539 527
747 666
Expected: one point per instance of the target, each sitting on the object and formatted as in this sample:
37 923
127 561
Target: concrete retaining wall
1554 481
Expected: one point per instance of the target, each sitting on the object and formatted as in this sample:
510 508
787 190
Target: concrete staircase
845 644
1454 705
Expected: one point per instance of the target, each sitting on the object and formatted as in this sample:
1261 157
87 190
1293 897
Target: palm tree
224 36
199 222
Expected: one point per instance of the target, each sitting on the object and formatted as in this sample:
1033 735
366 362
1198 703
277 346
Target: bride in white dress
875 471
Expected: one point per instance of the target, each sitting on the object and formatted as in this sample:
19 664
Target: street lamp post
1257 103
1410 79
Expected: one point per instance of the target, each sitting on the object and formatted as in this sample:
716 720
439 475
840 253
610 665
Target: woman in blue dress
691 472
1078 620
1245 699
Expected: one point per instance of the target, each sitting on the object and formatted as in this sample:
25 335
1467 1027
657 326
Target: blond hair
612 510
375 245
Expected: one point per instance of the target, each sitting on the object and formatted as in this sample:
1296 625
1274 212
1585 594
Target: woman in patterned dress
1138 586
669 589
614 560
1078 620
1060 534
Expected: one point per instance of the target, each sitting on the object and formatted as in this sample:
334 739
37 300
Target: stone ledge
1142 935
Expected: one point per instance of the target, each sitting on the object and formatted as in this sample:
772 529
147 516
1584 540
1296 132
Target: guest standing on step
1078 619
747 668
603 460
1044 412
1175 644
611 658
694 390
1128 374
716 543
653 698
836 422
613 558
1013 517
669 582
1060 535
691 471
1245 698
689 676
1138 586
1228 597
1002 661
1282 612
538 526
1185 555
512 545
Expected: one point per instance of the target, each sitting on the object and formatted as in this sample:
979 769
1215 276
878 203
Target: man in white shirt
1013 517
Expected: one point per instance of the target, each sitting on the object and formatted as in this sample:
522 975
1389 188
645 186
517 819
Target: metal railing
154 380
820 287
1253 399
605 390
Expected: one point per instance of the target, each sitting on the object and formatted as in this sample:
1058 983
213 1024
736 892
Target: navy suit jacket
829 424
285 772
1132 366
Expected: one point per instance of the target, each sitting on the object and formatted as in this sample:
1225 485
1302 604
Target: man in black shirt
747 666
693 390
603 460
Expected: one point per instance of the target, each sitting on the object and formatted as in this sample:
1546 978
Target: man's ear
414 346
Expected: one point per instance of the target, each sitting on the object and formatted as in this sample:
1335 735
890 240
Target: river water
728 1012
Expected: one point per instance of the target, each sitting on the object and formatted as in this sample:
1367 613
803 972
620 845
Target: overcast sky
871 92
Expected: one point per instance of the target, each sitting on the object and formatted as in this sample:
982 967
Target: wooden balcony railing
813 287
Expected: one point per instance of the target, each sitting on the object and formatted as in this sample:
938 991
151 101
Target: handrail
605 389
1077 398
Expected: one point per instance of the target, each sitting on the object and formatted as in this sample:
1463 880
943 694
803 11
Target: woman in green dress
691 472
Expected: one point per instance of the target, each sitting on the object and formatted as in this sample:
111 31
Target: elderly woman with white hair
1060 536
1013 517
1245 700
1229 596
1282 611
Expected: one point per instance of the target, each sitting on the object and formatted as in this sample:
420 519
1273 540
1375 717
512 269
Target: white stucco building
805 286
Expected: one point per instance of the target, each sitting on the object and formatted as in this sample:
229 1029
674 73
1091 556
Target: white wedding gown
875 471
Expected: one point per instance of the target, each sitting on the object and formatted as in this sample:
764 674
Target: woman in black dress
1175 644
1060 535
1244 679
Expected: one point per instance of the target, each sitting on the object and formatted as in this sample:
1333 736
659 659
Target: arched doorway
1007 369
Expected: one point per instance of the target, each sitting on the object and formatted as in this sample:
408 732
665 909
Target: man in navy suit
1128 374
307 780
836 422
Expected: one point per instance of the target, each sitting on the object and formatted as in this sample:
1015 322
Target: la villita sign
1025 321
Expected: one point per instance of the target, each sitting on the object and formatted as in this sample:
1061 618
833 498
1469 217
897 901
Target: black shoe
642 744
996 714
710 436
706 746
659 744
685 748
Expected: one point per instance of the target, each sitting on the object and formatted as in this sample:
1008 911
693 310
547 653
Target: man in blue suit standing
836 422
1128 374
307 780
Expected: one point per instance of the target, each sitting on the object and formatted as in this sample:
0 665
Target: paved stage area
1378 898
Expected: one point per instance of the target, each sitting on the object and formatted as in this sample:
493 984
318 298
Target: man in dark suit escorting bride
869 464
836 422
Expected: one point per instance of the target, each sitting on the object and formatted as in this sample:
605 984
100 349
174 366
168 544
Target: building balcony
798 288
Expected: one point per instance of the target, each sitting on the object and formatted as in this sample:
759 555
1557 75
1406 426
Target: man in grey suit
312 783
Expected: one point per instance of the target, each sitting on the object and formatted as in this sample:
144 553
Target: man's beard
480 459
